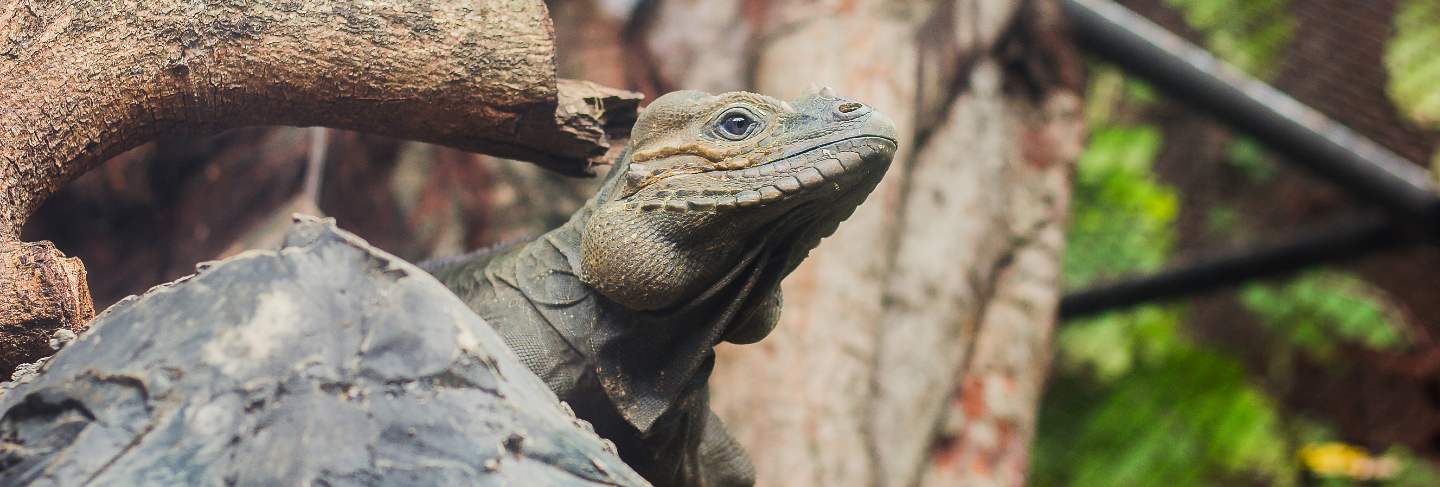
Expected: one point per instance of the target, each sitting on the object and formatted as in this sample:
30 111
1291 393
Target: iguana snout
709 180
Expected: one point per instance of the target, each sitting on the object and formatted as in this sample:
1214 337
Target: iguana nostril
849 107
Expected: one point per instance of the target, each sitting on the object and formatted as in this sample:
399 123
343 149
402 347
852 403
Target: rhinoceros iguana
714 200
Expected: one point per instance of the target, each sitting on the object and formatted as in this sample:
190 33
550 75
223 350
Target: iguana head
713 186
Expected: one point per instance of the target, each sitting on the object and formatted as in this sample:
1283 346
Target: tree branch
88 79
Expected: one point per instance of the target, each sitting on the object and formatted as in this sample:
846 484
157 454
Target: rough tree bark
87 79
914 342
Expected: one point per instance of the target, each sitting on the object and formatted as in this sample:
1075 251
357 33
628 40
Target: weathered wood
85 80
326 362
41 291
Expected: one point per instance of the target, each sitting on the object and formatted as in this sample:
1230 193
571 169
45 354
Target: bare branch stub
87 80
41 291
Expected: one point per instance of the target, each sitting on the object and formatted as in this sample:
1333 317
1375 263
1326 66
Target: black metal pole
1351 238
1308 138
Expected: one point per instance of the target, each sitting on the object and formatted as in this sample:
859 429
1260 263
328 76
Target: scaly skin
684 246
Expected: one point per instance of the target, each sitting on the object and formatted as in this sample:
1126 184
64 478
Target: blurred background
1335 365
1325 372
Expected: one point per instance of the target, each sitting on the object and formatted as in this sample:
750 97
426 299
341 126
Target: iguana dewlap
715 199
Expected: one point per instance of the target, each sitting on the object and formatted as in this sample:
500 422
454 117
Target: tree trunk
85 81
914 342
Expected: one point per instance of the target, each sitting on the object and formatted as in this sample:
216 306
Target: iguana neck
646 361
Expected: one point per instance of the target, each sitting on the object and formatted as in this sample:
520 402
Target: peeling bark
88 79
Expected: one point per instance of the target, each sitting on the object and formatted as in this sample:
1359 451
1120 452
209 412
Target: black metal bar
1307 137
1351 238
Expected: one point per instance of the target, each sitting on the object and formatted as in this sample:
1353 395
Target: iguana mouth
834 164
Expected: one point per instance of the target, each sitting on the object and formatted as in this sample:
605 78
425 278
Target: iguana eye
736 124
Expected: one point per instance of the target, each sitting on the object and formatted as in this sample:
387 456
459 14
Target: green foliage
1111 96
1109 346
1321 310
1250 34
1250 158
1222 220
1134 402
1168 413
1122 219
1412 63
1415 471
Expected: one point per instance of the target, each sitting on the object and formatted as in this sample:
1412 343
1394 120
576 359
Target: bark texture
88 79
41 291
914 343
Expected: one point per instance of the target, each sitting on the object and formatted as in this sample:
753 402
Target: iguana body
714 201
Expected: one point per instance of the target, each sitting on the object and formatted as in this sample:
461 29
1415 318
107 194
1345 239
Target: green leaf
1122 218
1411 63
1251 159
1188 418
1321 310
1251 35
